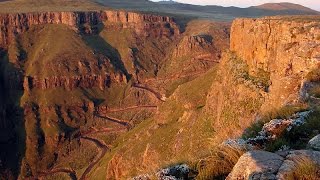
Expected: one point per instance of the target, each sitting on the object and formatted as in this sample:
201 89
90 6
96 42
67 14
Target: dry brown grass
220 163
305 169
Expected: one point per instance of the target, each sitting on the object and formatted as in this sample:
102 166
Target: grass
220 163
297 138
166 131
305 168
282 113
56 49
47 6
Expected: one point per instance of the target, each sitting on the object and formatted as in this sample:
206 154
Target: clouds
314 4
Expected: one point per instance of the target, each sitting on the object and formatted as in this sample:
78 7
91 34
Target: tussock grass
305 169
220 163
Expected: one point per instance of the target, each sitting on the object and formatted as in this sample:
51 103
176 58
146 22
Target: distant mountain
214 12
285 6
164 7
168 2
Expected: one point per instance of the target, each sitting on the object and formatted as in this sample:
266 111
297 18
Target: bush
282 113
220 163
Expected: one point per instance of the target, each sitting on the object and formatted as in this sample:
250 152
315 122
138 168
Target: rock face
287 48
314 143
266 165
194 44
256 165
294 159
69 83
147 25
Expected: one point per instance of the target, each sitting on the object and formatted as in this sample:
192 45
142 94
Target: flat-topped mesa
286 47
143 24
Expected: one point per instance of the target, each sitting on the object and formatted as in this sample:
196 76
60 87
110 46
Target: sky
314 4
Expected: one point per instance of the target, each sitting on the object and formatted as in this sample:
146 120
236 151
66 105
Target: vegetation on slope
48 6
183 132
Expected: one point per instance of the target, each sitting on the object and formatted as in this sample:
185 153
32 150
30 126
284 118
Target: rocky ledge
271 166
143 24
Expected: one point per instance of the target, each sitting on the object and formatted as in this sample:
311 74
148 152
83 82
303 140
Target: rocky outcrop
72 82
287 48
266 165
143 24
195 45
294 159
314 143
256 165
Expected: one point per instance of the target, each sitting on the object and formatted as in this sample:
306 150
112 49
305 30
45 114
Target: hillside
206 12
285 7
115 89
235 99
75 81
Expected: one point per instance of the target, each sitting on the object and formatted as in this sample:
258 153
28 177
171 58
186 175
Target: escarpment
143 24
69 83
287 48
66 76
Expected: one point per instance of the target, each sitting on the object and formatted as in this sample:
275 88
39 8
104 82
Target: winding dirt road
103 150
71 173
145 87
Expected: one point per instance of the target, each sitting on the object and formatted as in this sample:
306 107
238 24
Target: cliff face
287 48
69 83
13 24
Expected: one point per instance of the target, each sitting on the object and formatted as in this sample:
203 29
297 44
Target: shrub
220 163
282 113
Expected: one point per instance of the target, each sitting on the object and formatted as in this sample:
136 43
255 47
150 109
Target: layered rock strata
147 25
286 47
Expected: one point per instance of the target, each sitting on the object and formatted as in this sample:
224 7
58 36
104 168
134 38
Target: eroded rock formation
286 47
147 25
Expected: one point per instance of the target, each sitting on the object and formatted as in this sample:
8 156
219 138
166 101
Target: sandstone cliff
286 47
147 25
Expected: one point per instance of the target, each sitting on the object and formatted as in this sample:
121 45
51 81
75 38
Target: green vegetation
56 49
282 113
48 6
173 126
260 79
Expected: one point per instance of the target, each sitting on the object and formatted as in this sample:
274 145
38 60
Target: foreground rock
256 165
267 165
314 143
294 160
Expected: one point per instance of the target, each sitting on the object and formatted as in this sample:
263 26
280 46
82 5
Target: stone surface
143 24
292 158
287 48
314 143
256 165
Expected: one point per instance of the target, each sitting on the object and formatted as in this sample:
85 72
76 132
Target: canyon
115 94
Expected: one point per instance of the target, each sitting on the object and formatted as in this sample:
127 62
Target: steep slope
245 87
77 80
60 85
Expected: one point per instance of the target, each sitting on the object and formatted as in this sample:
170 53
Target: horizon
247 3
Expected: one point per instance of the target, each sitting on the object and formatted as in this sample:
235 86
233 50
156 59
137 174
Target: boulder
314 143
293 159
256 165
